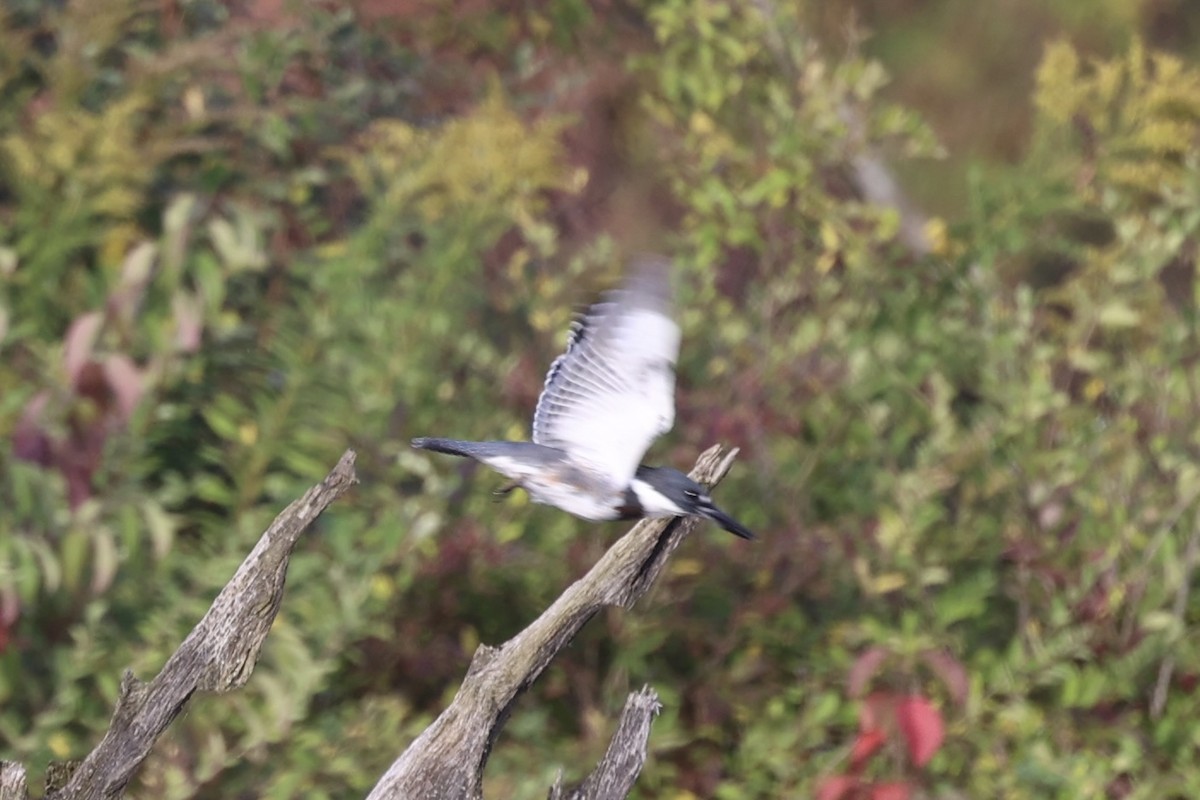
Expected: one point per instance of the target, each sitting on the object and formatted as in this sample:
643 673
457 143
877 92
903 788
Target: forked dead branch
448 758
446 761
217 656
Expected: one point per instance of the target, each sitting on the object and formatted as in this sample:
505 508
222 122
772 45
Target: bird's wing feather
612 392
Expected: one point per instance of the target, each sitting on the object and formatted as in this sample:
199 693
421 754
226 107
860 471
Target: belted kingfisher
604 401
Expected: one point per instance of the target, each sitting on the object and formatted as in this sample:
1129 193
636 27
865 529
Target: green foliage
1138 113
232 246
244 379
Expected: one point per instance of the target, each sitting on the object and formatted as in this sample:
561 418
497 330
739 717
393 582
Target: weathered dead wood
623 760
13 785
446 761
217 656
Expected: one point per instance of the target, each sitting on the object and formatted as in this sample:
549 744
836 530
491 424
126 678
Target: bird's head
666 492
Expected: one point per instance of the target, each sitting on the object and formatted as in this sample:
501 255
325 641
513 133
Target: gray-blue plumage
605 400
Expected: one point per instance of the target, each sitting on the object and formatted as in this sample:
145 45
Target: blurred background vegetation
237 238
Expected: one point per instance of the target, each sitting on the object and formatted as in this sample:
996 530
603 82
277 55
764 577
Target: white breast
654 503
595 506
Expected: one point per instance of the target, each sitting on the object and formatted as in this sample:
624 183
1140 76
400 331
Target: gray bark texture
13 785
217 656
626 755
446 761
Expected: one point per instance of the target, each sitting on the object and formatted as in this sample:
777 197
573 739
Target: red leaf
189 322
865 746
30 442
864 669
922 727
878 710
79 341
890 791
10 606
79 484
125 380
951 672
837 787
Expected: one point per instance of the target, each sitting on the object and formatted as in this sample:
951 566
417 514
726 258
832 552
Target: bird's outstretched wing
612 392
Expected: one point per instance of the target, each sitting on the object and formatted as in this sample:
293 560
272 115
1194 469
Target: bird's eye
691 494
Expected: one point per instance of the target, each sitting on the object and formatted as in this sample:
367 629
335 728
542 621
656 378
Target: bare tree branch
870 171
446 761
1191 554
13 784
626 755
218 655
880 187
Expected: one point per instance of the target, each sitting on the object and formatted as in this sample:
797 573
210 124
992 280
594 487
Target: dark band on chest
630 507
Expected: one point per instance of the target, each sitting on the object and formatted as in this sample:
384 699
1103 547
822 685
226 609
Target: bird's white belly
586 505
577 490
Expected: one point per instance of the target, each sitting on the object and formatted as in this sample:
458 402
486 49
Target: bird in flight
606 399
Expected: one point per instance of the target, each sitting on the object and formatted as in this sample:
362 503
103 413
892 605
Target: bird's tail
454 447
517 460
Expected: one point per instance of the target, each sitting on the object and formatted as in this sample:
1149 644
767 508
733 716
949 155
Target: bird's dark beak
725 521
